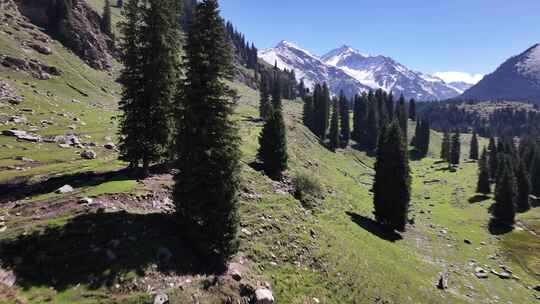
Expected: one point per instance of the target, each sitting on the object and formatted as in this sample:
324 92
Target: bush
307 189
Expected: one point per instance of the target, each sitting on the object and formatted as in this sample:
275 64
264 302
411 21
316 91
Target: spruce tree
473 153
334 126
359 118
401 113
276 91
345 118
390 106
455 149
535 175
523 188
372 127
265 107
503 209
208 180
307 113
412 109
106 19
493 158
446 146
483 186
273 146
151 68
392 168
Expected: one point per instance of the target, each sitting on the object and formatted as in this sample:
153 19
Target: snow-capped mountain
311 68
348 68
517 79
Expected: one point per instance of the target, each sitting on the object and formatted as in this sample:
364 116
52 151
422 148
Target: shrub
307 189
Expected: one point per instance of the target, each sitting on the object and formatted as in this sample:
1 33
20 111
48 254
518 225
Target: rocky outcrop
34 67
75 24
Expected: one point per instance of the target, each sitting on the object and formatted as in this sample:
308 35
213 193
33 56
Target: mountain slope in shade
517 79
353 72
311 69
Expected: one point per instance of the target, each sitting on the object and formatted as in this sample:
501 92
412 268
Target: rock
161 298
64 189
86 200
480 273
246 232
88 154
264 296
316 300
537 288
236 275
7 278
18 119
22 135
466 241
45 50
443 281
110 146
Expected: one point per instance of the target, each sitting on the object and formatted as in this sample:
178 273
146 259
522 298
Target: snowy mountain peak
530 65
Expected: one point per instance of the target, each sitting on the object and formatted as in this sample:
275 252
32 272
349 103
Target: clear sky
472 36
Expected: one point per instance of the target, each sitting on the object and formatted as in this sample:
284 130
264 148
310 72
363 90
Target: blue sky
472 36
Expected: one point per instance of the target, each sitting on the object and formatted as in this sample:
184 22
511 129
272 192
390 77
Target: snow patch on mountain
531 64
456 77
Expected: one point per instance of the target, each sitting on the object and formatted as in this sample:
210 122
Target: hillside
112 239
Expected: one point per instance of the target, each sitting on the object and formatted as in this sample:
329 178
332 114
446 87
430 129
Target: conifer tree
473 153
345 120
307 116
493 158
392 168
523 188
455 150
372 127
359 118
412 109
535 175
265 107
276 92
445 147
503 209
206 186
390 106
107 22
380 101
483 185
401 114
334 126
151 68
422 137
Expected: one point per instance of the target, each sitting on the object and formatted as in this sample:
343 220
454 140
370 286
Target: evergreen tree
372 127
503 209
106 19
412 109
422 137
307 116
455 150
401 114
523 188
206 186
334 126
276 92
535 175
359 118
445 147
380 101
390 106
345 120
273 145
151 68
473 153
493 158
392 168
265 107
483 185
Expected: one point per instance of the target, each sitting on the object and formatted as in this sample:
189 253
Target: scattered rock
45 50
110 146
86 200
88 154
467 241
161 298
480 273
64 189
7 278
264 296
246 232
443 281
22 135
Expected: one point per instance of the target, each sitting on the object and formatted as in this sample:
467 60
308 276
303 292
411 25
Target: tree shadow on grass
97 249
416 155
478 198
374 227
496 228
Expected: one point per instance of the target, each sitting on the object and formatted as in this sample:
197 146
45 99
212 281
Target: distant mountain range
354 72
517 79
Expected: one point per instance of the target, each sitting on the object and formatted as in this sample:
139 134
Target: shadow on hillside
98 249
478 198
416 155
374 227
19 188
496 228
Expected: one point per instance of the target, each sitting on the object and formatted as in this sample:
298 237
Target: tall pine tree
359 118
334 126
483 186
372 127
493 158
392 169
473 153
523 188
535 175
455 149
265 107
345 120
401 113
446 146
412 109
503 210
207 183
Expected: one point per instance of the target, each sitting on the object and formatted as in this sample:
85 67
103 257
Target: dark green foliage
244 52
372 127
473 153
273 145
412 109
359 118
422 137
334 126
276 92
392 170
402 117
106 19
307 189
307 113
503 210
206 186
321 102
483 186
380 101
389 100
455 149
445 147
265 107
523 188
535 175
151 68
493 158
345 120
